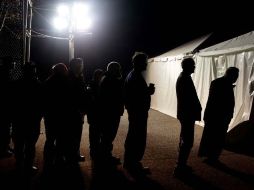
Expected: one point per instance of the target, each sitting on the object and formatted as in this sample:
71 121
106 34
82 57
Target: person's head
139 61
76 66
232 74
188 65
114 69
97 75
60 69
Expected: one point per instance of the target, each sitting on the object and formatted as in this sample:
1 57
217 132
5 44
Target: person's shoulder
103 81
183 77
130 75
132 72
217 80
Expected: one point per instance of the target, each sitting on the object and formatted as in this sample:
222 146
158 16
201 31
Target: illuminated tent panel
211 63
238 52
163 70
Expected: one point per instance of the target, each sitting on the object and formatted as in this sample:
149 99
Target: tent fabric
164 75
182 50
239 44
163 70
209 68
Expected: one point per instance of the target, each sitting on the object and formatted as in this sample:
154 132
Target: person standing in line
55 112
188 111
27 118
93 116
77 98
6 102
218 114
251 93
111 109
137 102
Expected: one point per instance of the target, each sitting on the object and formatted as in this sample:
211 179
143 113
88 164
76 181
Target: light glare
76 16
83 24
63 10
60 23
80 10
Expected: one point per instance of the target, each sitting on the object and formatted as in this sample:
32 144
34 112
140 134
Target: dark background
122 27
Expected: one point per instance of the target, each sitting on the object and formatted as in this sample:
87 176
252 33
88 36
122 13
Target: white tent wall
163 72
209 68
164 75
205 72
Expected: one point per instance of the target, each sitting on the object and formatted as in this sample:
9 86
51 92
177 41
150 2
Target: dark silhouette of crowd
64 99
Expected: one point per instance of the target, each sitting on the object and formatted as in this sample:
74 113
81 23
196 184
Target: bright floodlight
80 10
81 19
60 23
63 10
83 24
76 16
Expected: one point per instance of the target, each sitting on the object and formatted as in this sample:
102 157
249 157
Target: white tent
214 60
163 72
210 64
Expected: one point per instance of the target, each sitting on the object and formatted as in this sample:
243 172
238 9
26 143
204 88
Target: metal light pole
71 38
25 6
27 27
72 17
29 30
71 46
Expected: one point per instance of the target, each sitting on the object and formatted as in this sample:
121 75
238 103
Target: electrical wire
4 17
42 9
43 17
38 34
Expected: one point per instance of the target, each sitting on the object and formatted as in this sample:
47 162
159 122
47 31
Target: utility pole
71 38
27 29
71 46
25 6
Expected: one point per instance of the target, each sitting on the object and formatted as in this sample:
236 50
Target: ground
160 156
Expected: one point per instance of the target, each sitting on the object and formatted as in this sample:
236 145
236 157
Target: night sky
122 27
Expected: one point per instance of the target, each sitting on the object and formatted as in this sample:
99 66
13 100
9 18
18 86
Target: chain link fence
11 35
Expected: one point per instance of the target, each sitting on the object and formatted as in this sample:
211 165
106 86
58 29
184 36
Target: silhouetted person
93 114
5 106
111 110
137 103
77 101
218 114
251 92
27 118
55 114
188 111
